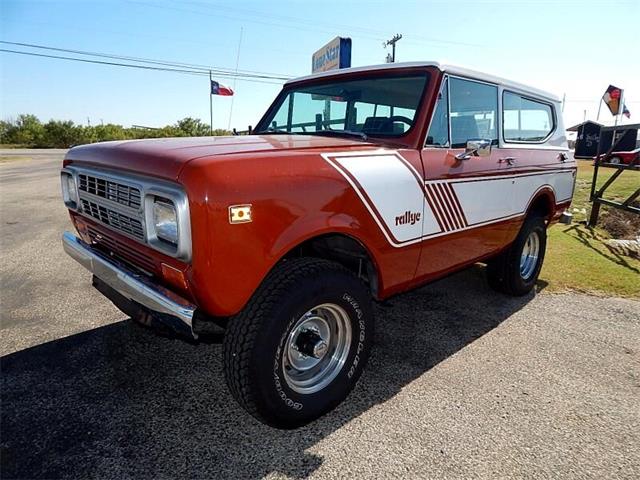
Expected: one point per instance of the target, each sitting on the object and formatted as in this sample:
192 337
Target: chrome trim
309 368
531 99
133 286
529 256
179 200
149 188
66 198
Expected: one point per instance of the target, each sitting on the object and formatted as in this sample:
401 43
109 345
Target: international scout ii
356 185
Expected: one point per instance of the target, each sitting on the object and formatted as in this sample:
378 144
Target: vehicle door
465 188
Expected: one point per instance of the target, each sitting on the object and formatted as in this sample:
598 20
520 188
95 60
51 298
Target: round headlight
165 220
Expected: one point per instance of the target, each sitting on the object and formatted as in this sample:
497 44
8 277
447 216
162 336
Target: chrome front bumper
169 308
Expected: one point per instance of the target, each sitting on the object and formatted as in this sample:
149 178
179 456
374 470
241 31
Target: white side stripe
409 211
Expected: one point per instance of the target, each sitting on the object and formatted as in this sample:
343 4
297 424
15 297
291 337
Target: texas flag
219 89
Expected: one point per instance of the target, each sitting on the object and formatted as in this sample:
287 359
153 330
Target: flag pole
620 107
235 78
210 105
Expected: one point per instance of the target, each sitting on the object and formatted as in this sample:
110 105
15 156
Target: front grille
115 220
116 192
121 250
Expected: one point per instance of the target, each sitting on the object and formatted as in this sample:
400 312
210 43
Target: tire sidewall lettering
362 335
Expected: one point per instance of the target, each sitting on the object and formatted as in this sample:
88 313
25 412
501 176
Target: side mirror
478 147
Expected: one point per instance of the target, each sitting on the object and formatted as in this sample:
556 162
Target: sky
573 48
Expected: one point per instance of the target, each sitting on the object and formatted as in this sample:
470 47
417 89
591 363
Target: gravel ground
463 382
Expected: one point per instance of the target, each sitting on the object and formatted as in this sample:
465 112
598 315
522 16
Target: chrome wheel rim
530 255
317 348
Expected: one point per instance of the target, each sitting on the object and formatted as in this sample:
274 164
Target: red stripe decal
450 210
443 210
457 204
433 203
454 206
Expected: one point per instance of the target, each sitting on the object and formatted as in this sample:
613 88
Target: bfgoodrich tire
515 271
299 346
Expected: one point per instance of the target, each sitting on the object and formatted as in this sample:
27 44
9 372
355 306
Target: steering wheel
401 118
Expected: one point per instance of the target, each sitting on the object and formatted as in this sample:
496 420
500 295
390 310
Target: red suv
356 185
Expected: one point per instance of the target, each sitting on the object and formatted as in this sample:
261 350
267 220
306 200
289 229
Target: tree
29 131
26 130
192 127
61 134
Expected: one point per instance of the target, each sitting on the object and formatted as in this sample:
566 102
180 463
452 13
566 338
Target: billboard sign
335 54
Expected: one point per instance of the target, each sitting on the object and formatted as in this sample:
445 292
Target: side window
474 109
525 120
438 135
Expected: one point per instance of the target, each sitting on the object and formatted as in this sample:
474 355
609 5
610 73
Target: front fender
291 202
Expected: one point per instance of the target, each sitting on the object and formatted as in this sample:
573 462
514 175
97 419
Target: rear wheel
300 344
615 160
515 271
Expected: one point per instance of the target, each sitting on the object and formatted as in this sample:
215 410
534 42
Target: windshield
380 105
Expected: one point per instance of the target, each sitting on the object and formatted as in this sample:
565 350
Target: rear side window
525 120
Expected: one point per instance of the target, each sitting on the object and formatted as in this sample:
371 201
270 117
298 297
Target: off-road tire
255 338
503 271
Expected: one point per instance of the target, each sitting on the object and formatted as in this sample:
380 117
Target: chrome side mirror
478 147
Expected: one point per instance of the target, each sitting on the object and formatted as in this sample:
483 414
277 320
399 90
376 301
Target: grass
620 189
576 258
6 146
13 158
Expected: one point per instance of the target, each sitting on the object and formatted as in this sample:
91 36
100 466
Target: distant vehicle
357 184
625 158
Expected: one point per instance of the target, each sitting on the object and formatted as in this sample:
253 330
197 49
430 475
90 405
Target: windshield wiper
348 133
275 132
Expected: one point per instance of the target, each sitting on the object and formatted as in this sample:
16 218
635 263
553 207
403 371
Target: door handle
508 160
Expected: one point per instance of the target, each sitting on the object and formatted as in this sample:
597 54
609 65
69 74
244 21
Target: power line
143 67
298 23
201 68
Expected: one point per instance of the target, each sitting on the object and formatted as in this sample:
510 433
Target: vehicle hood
165 157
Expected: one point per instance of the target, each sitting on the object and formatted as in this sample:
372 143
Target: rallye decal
408 210
392 191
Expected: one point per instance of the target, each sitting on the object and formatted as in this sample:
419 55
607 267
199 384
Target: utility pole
392 58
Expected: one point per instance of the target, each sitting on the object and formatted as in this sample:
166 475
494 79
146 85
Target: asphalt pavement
462 383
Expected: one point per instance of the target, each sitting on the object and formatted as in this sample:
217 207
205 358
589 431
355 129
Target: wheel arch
343 248
543 203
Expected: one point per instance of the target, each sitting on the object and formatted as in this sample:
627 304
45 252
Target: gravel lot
463 382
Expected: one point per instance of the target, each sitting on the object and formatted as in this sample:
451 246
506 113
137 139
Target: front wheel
299 346
515 271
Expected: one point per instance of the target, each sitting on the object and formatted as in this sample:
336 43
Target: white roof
451 69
